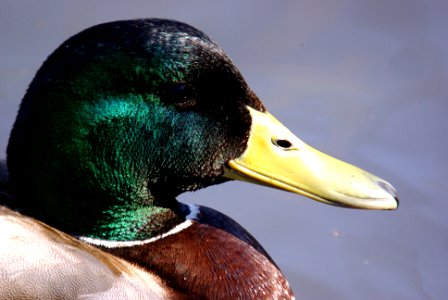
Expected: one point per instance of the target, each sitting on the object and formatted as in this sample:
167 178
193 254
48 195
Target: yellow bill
275 157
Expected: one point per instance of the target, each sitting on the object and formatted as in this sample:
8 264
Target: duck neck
131 222
113 217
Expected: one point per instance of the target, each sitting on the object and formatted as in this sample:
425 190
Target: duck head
125 116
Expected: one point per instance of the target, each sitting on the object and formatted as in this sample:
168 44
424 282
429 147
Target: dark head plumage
127 110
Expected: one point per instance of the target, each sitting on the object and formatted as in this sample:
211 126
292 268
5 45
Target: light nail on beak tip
389 189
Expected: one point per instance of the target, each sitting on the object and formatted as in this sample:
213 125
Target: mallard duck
118 121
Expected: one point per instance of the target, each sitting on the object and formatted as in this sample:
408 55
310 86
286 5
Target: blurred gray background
365 81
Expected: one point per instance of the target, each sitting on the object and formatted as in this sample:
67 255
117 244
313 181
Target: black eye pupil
179 88
176 93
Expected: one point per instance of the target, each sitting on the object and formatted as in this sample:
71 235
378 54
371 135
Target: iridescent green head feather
122 115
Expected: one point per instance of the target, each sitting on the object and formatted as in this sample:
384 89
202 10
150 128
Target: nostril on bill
284 144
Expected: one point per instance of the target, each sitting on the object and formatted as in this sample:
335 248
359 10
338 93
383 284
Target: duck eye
178 88
284 144
177 94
